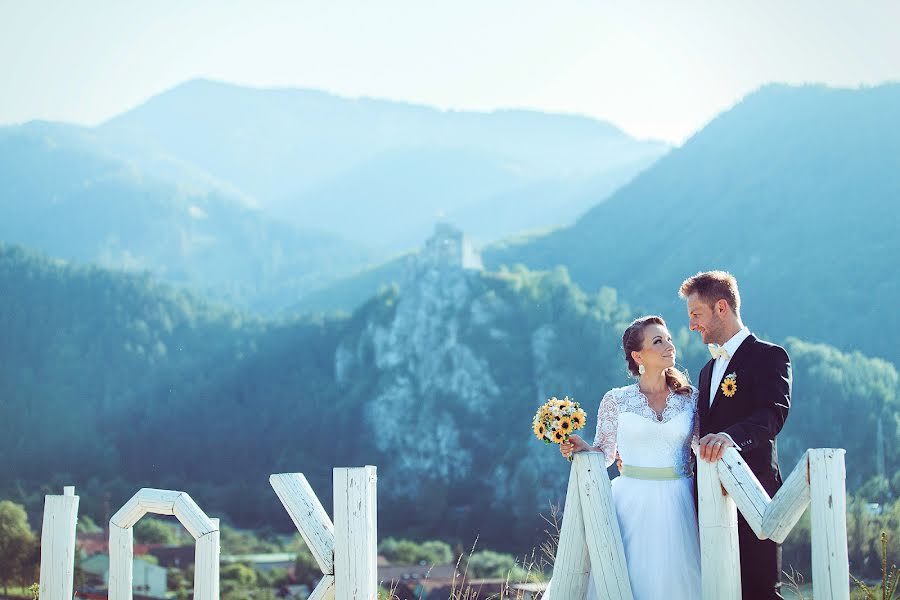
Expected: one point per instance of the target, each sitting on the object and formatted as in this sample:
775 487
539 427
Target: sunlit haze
656 69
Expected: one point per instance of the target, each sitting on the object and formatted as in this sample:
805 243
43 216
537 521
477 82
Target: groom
745 394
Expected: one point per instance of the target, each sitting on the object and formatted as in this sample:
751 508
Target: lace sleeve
695 436
607 426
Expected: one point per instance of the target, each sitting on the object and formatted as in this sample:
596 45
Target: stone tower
447 249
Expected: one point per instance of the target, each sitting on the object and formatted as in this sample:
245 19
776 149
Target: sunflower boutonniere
729 385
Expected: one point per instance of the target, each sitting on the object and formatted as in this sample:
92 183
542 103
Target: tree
153 531
87 525
178 583
306 569
237 579
17 545
436 552
408 552
487 563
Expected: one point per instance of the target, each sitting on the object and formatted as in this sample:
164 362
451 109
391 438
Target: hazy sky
655 68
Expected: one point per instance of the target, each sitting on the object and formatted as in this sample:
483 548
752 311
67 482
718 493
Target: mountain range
378 172
794 190
260 197
64 194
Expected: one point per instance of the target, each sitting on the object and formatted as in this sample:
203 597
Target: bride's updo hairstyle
633 341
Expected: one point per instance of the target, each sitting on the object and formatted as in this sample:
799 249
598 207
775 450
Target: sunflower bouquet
556 419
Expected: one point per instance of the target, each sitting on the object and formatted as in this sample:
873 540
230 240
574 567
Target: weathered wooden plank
130 513
601 528
828 512
355 528
719 554
572 563
788 504
58 545
161 502
190 515
744 488
167 502
325 589
769 518
121 556
206 564
308 515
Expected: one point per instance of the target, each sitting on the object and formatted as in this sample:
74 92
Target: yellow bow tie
718 351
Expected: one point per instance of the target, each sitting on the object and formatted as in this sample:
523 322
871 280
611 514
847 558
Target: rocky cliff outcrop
452 365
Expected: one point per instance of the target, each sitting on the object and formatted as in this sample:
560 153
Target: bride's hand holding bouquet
572 445
556 420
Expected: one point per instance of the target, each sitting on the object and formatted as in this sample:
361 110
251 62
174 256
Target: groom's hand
713 445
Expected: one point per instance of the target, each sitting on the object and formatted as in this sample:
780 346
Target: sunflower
565 424
577 419
559 437
729 386
539 430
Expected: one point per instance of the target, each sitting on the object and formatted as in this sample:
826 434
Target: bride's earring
641 369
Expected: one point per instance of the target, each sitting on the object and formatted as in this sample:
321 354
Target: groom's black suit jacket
753 417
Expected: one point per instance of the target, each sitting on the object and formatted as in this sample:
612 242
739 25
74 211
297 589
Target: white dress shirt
720 366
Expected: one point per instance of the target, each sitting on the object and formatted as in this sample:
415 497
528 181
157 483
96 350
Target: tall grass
889 578
886 590
531 568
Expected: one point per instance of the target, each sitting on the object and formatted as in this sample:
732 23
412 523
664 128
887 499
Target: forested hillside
63 192
114 382
794 190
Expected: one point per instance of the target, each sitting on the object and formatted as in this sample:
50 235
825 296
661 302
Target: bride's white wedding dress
653 498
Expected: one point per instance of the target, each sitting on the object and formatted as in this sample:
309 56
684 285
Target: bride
651 424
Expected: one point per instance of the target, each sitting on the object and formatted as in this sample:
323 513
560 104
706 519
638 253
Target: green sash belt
653 473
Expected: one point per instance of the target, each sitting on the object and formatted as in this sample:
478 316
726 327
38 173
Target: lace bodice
627 424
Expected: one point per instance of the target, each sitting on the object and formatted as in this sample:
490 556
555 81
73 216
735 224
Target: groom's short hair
713 286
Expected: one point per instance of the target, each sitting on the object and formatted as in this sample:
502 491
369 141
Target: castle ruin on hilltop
447 249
